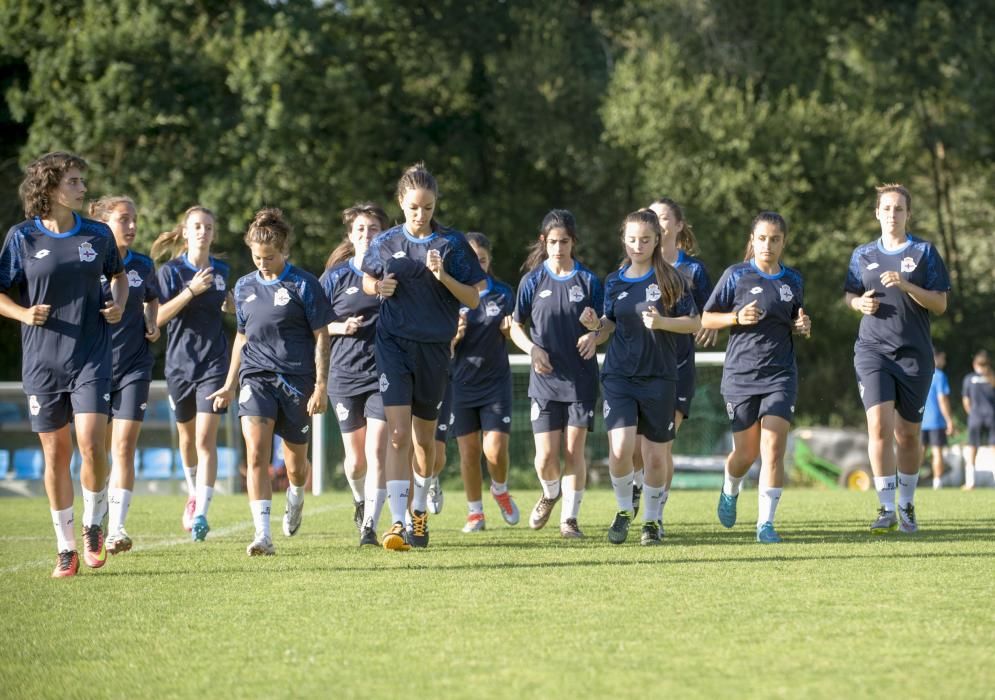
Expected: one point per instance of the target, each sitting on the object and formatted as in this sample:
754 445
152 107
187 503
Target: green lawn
832 612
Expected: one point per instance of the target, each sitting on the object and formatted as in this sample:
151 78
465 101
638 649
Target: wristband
735 318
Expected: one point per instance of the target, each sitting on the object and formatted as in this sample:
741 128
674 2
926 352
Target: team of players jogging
404 337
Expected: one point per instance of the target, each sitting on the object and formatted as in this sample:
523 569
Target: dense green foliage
519 107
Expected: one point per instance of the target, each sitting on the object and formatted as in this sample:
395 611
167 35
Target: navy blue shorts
744 411
492 414
934 438
882 379
444 424
412 373
129 400
980 434
548 415
353 411
283 399
50 412
187 399
686 378
647 404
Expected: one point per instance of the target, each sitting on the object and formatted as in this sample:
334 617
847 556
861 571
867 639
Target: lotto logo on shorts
443 427
86 252
921 409
452 418
729 411
792 409
305 429
172 404
653 292
575 293
384 384
282 297
506 419
671 426
219 283
341 411
245 394
143 406
33 405
605 410
535 410
908 264
134 279
107 397
786 293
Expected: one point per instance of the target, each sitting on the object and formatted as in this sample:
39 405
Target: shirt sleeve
597 292
723 297
316 306
167 284
11 265
373 259
240 318
462 263
523 303
944 385
112 260
854 282
702 286
937 279
151 285
686 306
965 386
608 308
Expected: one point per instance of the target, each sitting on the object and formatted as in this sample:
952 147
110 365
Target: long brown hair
417 177
770 217
345 249
686 239
41 177
171 243
671 283
270 227
556 218
101 209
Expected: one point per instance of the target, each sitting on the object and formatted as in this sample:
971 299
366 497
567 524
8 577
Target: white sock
397 498
906 489
622 485
663 501
93 506
767 501
475 507
571 504
295 494
190 474
550 489
419 499
637 477
119 501
499 487
65 535
260 516
358 487
885 486
732 484
204 495
653 503
969 476
937 482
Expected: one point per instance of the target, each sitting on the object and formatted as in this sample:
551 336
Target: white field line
159 544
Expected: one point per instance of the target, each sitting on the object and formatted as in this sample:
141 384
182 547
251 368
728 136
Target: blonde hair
171 243
101 209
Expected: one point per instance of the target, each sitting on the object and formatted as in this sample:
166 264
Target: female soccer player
424 273
937 418
132 360
895 282
193 295
53 262
563 382
978 397
481 384
761 299
353 384
647 301
280 361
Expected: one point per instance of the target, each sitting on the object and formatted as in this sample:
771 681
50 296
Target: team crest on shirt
134 279
384 384
908 264
41 253
653 292
534 414
786 293
282 297
756 290
341 412
33 405
575 293
219 283
399 254
245 394
492 309
86 252
622 296
545 293
352 290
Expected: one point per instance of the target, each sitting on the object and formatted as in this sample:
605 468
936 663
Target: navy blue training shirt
701 288
900 325
196 346
759 358
421 309
38 266
480 365
981 394
352 369
552 305
132 353
634 350
279 318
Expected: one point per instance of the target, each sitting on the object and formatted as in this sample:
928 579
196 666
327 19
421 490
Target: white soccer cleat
262 546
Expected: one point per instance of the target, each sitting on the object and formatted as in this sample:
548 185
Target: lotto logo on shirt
86 252
352 290
653 293
786 293
575 293
42 253
281 298
908 265
134 279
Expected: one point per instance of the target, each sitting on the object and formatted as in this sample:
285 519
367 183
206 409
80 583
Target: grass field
831 612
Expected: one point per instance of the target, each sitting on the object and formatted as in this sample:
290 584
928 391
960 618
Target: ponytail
171 243
101 209
670 281
686 239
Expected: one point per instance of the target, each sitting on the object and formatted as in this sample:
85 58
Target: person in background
978 396
937 420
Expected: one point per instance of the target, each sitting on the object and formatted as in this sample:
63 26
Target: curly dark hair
41 177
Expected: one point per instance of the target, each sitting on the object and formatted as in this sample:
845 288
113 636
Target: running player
563 381
761 299
978 397
895 282
280 361
937 419
193 296
647 302
481 382
132 359
50 269
424 272
353 385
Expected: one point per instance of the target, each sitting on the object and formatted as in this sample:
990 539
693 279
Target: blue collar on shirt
77 223
643 278
558 277
415 239
681 258
899 249
354 268
186 261
127 258
279 278
490 286
763 274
